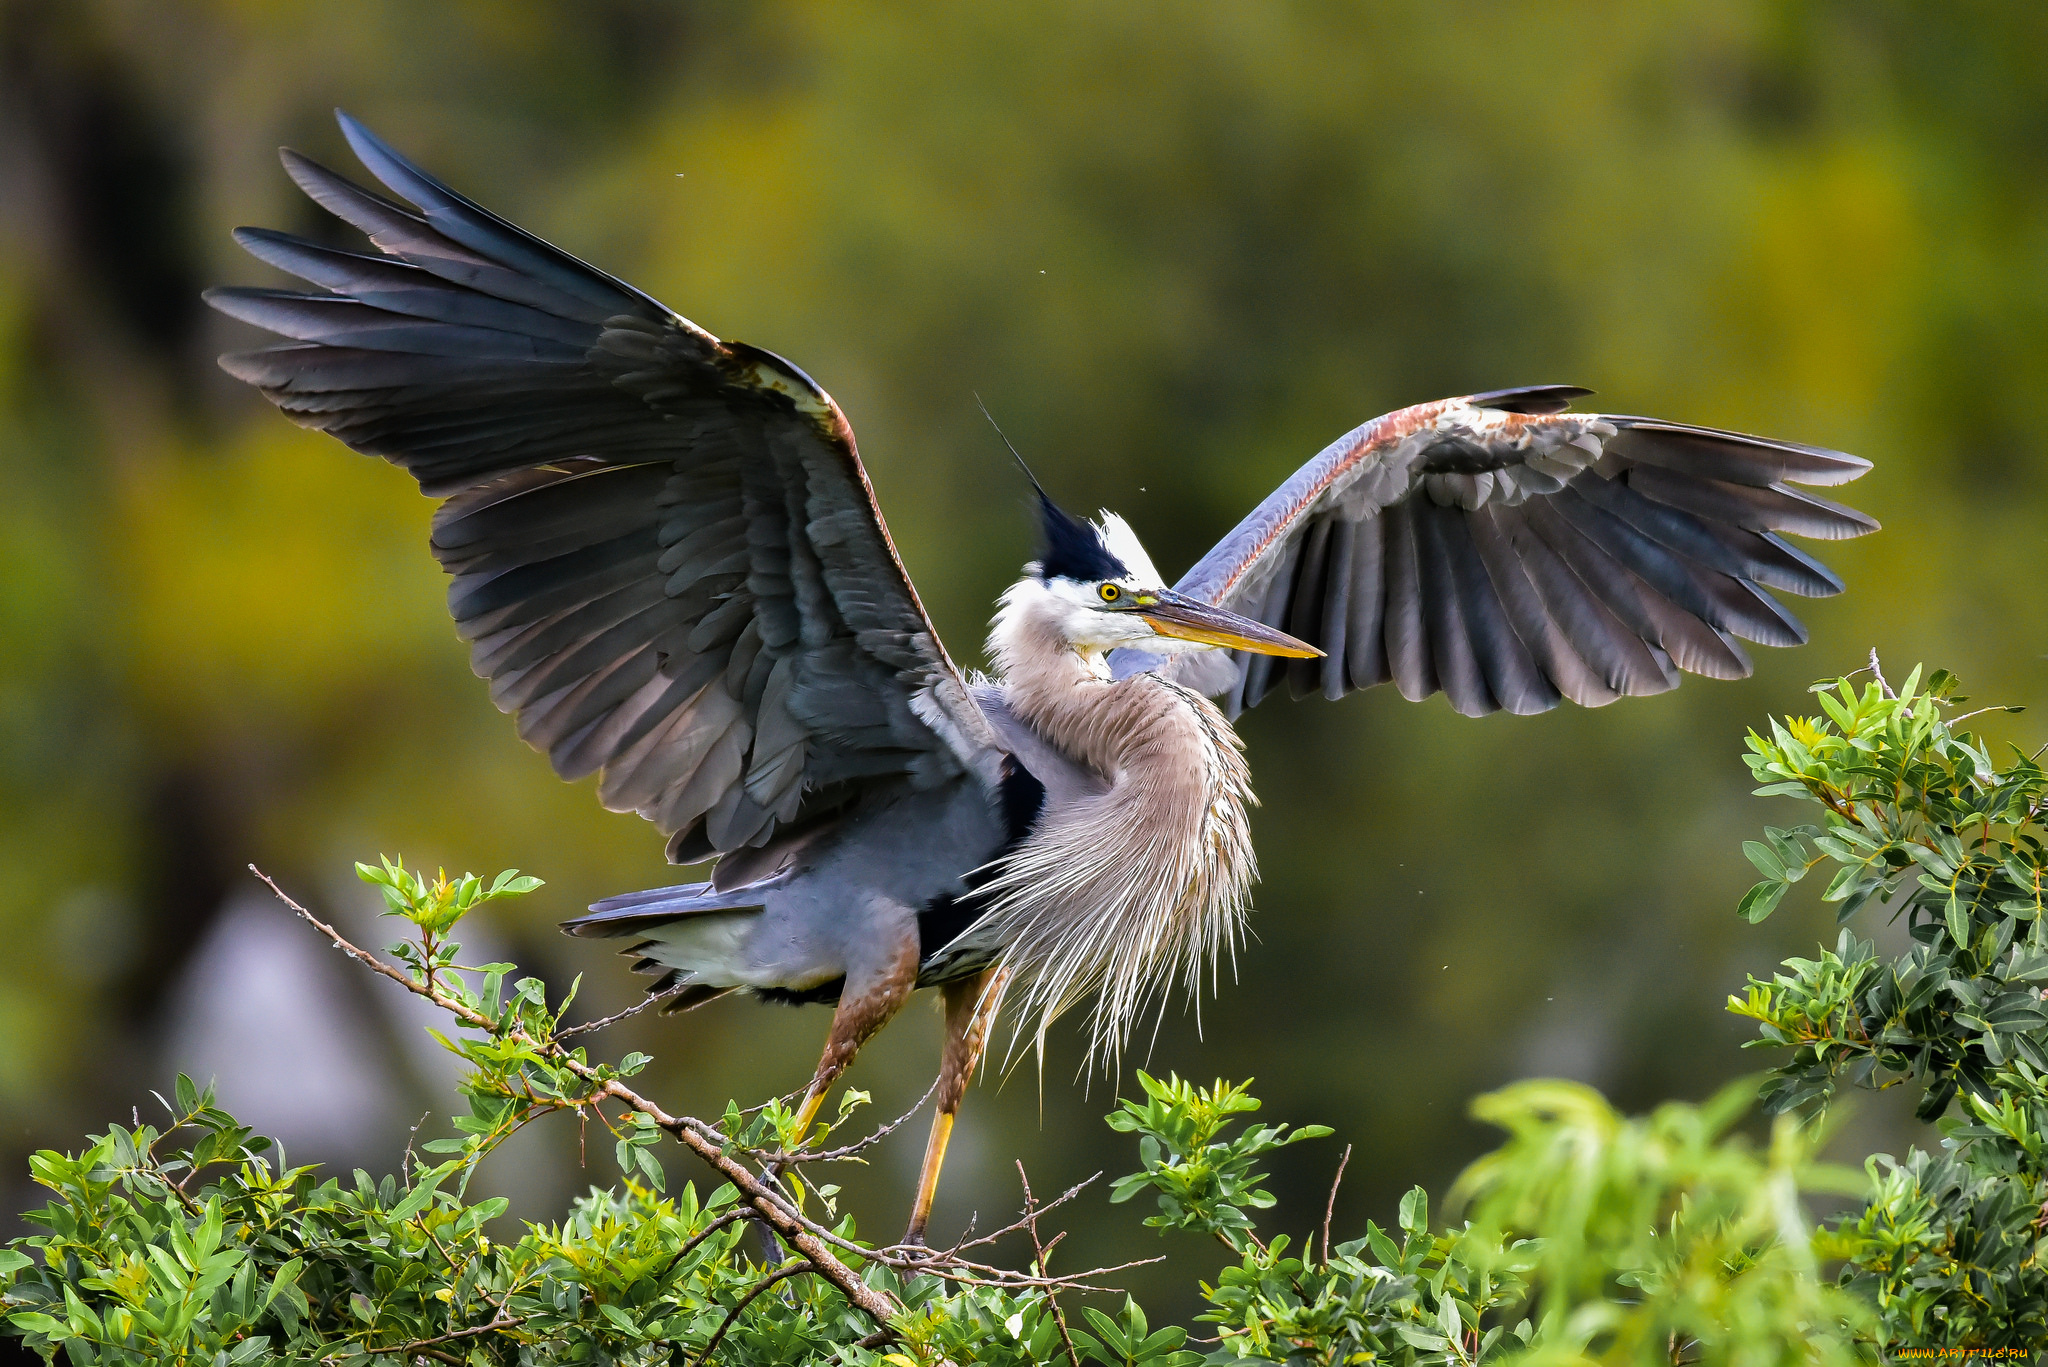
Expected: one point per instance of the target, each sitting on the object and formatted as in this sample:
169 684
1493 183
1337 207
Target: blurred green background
1177 247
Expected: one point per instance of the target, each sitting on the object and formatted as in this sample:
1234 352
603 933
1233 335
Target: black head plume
1073 548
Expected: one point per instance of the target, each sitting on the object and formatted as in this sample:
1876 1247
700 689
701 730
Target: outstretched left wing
1512 553
666 555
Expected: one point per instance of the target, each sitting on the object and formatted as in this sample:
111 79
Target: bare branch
782 1273
635 1009
1041 1253
948 1264
1330 1210
1069 1194
422 1345
799 1233
799 1158
405 1164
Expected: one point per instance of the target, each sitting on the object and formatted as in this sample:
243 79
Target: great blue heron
672 570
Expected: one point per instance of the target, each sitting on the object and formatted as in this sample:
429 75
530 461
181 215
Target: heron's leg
865 1006
872 996
970 1006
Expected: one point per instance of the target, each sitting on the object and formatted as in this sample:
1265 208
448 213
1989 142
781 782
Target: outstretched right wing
665 552
1511 553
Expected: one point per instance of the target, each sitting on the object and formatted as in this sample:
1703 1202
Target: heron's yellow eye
1110 593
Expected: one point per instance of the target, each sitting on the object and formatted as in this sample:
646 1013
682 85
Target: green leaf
1843 883
286 1277
35 1322
1414 1212
1112 1336
417 1199
1760 901
1956 917
1765 858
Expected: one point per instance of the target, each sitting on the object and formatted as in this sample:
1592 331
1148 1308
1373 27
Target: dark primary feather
1511 562
663 548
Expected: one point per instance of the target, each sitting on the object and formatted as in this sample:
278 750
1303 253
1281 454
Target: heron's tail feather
693 936
633 913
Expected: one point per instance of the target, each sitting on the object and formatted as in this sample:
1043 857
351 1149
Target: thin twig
782 1273
948 1264
497 1303
1059 1316
613 1019
420 1345
405 1164
736 1213
1999 707
1069 1194
802 1234
858 1146
1877 670
1331 1209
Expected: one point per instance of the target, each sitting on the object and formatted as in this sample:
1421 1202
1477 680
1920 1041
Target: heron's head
1099 589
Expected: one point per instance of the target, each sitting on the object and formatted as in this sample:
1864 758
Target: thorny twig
948 1263
615 1017
763 1200
1069 1194
1059 1316
1331 1209
860 1146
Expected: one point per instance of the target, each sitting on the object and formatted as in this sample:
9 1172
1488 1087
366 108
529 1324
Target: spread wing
1511 553
666 555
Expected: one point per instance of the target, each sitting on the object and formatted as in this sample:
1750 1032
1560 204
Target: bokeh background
1177 247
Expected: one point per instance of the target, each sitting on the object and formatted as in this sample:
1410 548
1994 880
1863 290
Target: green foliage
1585 1237
1589 1238
1921 818
1204 1183
207 1252
1918 817
190 1245
1589 1235
435 906
1663 1231
255 1261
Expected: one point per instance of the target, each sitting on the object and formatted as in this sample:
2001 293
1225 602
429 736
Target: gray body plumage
670 567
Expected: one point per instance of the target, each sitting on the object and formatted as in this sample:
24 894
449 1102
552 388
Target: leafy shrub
1586 1237
1919 817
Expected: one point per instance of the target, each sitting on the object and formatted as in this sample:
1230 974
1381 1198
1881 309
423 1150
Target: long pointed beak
1189 619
